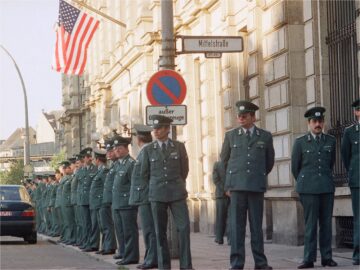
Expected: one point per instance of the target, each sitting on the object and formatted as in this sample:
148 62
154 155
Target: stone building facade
289 62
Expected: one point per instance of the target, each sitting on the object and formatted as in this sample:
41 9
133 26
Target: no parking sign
166 87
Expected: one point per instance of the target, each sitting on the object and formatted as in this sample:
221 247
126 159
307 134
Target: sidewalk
207 255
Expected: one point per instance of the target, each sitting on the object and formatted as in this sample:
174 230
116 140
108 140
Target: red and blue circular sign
166 87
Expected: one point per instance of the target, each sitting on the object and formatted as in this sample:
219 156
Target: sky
26 31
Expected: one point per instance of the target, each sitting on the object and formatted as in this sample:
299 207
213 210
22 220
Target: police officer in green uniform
73 198
59 205
248 157
68 213
106 220
55 229
139 195
350 147
80 236
89 173
125 214
312 161
165 166
95 200
49 203
46 204
222 201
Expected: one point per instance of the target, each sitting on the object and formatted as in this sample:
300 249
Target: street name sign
176 112
207 44
166 87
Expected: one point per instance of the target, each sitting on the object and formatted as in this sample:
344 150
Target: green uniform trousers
85 225
38 218
119 233
55 229
317 208
59 215
78 227
241 204
107 225
356 230
222 207
69 220
94 235
149 235
131 235
180 213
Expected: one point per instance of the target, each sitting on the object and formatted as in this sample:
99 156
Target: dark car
17 214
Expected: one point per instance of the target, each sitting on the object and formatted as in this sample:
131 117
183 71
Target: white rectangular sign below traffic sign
176 112
203 44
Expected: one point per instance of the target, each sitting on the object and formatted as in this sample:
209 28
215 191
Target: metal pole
27 135
167 61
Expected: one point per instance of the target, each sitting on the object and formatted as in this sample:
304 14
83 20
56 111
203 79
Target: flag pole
99 13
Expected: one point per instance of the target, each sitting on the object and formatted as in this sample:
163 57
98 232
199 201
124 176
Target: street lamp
27 135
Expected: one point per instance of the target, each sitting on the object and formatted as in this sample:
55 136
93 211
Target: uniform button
319 153
319 159
248 155
248 171
164 161
248 162
138 188
166 176
166 182
319 174
248 147
165 168
319 167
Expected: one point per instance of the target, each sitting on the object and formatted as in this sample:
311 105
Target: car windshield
13 193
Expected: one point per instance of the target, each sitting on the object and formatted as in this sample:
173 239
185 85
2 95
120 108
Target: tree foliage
56 159
15 175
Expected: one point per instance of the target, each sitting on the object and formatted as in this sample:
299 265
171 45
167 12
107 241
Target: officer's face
246 120
67 170
162 133
121 151
57 176
88 160
357 114
316 125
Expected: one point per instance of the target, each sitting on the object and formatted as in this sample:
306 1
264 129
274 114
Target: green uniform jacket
218 177
139 190
165 172
108 184
88 176
74 186
122 180
53 194
81 173
59 192
312 164
46 196
350 147
66 192
247 163
97 188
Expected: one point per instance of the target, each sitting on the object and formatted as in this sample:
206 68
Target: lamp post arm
27 135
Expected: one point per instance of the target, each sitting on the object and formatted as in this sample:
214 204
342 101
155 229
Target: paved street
16 254
207 255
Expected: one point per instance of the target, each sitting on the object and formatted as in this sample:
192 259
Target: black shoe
266 267
329 262
90 249
108 252
305 265
99 252
356 262
122 262
117 257
147 266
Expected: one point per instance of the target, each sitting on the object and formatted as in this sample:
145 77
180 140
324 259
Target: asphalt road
17 254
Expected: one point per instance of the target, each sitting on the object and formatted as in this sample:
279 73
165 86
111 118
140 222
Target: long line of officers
90 200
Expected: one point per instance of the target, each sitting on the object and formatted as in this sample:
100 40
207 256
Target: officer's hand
227 193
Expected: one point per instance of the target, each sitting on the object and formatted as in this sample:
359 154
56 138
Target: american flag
74 32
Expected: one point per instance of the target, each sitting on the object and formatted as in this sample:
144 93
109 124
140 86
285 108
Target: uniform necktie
317 138
163 147
248 134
